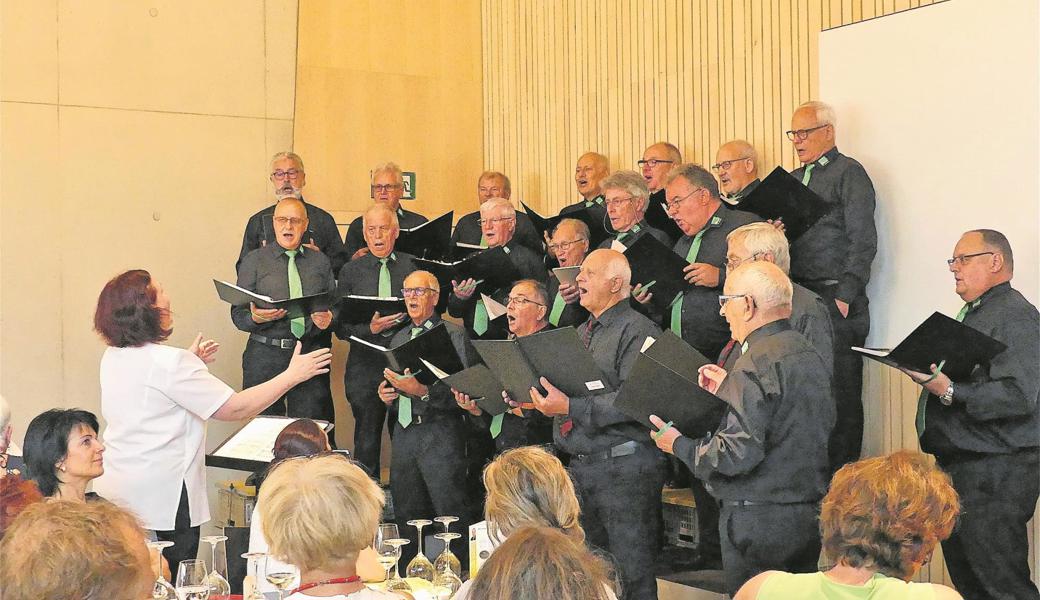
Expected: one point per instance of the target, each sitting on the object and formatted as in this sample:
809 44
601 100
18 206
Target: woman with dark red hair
156 400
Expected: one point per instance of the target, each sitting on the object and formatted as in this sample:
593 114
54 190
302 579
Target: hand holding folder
433 345
239 296
781 196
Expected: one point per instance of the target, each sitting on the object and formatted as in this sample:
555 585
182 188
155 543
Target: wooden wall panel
562 77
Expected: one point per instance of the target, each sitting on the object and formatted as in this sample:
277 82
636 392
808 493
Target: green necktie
624 234
480 317
557 309
483 241
808 173
404 402
384 278
691 257
496 425
922 402
297 324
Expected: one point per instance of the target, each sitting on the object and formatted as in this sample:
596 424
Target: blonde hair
528 487
507 187
536 563
319 511
390 168
66 550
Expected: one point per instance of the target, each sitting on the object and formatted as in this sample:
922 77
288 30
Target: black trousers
846 441
621 513
784 537
311 399
988 553
369 415
428 479
185 538
708 544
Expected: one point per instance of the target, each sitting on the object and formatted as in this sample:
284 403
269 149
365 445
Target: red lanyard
307 586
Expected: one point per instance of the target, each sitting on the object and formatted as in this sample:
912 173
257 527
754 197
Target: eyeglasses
416 292
372 230
564 246
653 162
521 301
963 258
291 174
494 221
617 202
724 298
733 263
726 164
674 204
386 187
801 134
294 221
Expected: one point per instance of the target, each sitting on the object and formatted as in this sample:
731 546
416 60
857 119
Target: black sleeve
247 277
355 239
250 240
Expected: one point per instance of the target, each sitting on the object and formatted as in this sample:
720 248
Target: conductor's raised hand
665 435
710 377
387 393
265 315
463 289
204 349
304 366
553 403
380 324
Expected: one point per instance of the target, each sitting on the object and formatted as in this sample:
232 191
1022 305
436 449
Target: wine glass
446 559
280 575
191 580
446 583
388 544
217 578
446 521
162 590
251 586
420 566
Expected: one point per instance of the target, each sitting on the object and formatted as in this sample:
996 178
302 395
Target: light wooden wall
562 77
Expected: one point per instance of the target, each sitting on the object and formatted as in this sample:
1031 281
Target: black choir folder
659 267
477 382
238 296
939 340
663 382
491 266
781 196
557 354
251 447
546 225
434 345
657 216
430 240
355 309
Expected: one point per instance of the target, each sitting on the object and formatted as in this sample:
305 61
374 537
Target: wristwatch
947 396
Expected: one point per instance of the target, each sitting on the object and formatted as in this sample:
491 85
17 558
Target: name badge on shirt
594 385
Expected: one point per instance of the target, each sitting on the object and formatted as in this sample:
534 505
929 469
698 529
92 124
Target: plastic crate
235 503
680 517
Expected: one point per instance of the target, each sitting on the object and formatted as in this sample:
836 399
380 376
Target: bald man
387 187
617 472
736 165
492 184
592 167
379 272
767 461
658 159
286 269
428 464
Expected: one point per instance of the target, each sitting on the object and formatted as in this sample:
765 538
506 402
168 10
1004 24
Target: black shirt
527 263
266 271
996 410
573 314
842 244
771 445
355 238
321 230
441 401
468 231
597 425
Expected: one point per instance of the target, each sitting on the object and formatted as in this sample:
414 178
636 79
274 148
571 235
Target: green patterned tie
480 317
691 257
404 401
384 279
922 402
297 324
496 425
557 309
808 173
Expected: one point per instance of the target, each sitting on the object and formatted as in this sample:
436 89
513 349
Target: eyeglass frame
652 162
803 134
386 187
753 257
292 174
415 292
726 164
963 257
565 246
522 301
725 298
495 220
674 204
294 221
617 202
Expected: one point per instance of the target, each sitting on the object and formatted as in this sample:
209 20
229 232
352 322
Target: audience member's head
756 294
527 309
691 197
492 184
537 563
497 221
812 130
982 259
529 487
570 242
380 229
319 513
388 185
737 166
133 310
592 167
886 514
302 437
287 175
604 280
657 160
62 452
625 195
757 241
75 551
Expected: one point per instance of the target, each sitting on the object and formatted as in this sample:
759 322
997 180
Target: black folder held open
238 296
659 267
657 216
546 225
431 240
355 309
477 382
557 355
939 340
781 196
433 345
492 266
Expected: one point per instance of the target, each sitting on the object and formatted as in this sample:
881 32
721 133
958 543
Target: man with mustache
322 235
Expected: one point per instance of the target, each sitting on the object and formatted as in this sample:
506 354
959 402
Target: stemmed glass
420 566
217 578
251 589
280 575
446 559
388 544
162 590
191 580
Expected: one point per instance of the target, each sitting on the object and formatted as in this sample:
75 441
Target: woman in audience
529 487
880 522
156 400
63 454
303 437
319 513
542 562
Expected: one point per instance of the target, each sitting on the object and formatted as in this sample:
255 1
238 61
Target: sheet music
255 441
